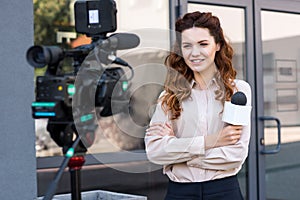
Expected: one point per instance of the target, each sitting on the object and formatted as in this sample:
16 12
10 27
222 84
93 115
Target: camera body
101 87
54 94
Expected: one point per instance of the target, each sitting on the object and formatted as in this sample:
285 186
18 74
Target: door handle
277 149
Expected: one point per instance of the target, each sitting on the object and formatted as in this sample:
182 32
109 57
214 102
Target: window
54 25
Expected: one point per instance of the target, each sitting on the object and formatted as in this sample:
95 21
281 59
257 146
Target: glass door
279 114
232 20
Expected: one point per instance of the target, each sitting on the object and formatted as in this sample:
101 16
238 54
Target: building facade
265 35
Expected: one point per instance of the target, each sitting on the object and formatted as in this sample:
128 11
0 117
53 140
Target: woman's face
198 50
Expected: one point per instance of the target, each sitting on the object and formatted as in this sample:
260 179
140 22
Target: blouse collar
212 82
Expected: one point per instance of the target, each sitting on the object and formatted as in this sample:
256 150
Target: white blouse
184 156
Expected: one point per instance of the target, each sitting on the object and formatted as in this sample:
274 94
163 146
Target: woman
200 153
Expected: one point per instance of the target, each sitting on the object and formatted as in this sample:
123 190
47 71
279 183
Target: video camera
89 85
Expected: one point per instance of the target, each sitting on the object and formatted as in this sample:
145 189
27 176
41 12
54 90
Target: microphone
236 112
120 41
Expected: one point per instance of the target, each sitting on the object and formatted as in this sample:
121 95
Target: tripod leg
75 184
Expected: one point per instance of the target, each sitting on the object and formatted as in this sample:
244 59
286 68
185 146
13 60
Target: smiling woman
201 154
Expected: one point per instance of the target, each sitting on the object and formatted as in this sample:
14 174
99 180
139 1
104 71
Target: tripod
74 162
75 165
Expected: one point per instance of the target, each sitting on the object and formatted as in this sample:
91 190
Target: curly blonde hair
179 75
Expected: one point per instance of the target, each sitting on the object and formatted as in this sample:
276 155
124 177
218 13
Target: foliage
51 16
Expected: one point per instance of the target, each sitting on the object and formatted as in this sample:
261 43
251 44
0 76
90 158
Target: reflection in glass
281 58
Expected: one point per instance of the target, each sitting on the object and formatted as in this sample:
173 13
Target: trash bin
99 195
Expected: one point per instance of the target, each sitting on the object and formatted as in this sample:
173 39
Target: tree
50 17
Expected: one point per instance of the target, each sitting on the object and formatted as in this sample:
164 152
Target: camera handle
75 163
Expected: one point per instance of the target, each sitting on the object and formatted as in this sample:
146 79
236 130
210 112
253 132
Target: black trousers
219 189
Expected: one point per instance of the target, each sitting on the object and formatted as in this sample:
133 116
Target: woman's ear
218 47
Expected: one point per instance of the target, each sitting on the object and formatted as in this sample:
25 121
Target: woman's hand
161 129
229 135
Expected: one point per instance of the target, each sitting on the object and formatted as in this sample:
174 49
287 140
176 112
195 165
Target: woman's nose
196 51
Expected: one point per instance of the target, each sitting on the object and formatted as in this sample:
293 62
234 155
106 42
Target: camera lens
39 56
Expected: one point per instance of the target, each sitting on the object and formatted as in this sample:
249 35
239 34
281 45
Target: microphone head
126 40
239 98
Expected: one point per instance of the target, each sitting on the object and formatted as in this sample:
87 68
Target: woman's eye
203 44
186 46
